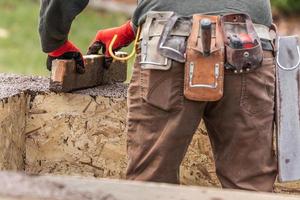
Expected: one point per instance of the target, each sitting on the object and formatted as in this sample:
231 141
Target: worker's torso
259 10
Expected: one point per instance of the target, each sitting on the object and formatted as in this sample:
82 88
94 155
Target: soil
287 25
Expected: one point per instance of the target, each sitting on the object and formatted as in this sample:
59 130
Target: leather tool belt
206 44
243 46
204 71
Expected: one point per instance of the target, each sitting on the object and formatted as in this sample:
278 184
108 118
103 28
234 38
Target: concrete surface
74 134
83 133
12 84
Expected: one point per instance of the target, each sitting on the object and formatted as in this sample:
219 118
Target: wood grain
65 79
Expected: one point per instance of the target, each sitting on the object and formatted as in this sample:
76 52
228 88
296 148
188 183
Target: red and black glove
125 33
67 51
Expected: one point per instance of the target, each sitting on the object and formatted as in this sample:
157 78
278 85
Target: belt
262 30
263 33
267 45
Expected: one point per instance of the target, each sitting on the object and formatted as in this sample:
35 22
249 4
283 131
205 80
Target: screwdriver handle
206 35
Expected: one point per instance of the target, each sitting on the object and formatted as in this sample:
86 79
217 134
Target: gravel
11 84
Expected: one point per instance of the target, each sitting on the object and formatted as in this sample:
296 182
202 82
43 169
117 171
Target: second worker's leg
161 124
241 129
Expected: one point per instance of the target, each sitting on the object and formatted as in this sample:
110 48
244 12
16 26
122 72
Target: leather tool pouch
151 33
204 75
237 28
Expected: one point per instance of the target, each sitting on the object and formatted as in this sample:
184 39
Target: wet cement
11 84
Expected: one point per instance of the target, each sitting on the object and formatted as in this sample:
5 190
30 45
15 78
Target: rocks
13 84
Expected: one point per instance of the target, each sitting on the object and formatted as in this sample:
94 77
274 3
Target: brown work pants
161 124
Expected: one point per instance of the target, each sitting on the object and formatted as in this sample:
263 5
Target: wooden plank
117 71
288 109
20 186
65 79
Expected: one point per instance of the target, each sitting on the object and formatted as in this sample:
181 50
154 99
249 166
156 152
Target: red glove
67 51
103 39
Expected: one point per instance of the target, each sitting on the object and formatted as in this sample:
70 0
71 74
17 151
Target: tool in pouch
150 35
243 47
173 41
204 68
163 40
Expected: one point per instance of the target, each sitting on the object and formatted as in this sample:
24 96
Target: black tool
206 34
235 42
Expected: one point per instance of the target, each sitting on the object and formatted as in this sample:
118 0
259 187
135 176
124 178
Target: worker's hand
67 51
125 33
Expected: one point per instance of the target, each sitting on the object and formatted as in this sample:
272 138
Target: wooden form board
288 108
19 187
65 79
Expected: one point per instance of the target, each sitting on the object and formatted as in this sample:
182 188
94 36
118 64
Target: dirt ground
287 25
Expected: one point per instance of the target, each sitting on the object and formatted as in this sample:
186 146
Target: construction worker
161 121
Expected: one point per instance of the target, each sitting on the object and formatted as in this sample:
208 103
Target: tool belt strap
263 31
155 23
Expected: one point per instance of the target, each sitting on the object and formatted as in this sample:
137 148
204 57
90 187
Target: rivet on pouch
235 71
246 54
